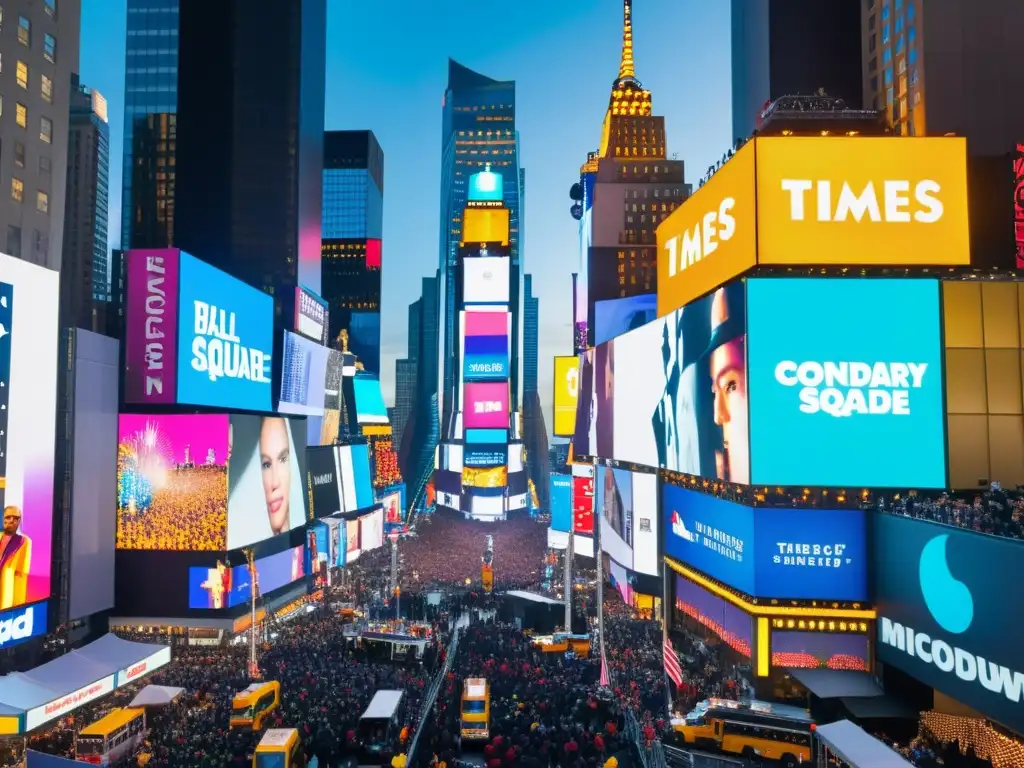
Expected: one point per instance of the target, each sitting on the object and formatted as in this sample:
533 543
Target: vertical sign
151 327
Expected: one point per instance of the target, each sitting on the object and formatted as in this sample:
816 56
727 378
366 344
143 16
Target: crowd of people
188 513
994 511
925 751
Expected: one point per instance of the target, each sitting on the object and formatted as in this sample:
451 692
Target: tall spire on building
626 69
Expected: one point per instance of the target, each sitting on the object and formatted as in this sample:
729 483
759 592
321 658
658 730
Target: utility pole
396 592
254 593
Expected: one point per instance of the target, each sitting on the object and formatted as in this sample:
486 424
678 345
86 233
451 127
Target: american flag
604 682
672 668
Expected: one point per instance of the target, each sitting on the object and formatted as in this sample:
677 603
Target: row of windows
41 245
21 76
19 159
485 133
21 118
25 32
18 195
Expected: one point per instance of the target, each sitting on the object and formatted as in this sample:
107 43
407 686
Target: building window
44 165
51 8
17 190
21 115
24 31
885 34
19 154
14 241
22 74
50 48
45 129
46 89
42 202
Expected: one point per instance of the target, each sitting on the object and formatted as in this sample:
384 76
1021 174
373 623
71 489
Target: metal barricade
431 698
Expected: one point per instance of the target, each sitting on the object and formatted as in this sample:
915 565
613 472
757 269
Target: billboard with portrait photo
29 338
266 492
172 482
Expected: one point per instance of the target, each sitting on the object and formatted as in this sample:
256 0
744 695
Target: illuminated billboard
311 315
370 408
29 338
614 317
485 225
843 201
567 371
835 390
225 586
946 614
799 554
486 405
485 280
485 358
303 376
195 335
323 482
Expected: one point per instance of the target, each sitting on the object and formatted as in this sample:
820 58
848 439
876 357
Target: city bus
750 729
379 727
476 709
112 738
279 748
251 707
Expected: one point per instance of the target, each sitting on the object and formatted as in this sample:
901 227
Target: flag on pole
672 668
604 672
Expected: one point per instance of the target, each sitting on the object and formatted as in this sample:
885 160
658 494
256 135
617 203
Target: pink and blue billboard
486 405
151 328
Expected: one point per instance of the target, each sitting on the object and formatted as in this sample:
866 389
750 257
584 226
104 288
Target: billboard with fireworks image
172 482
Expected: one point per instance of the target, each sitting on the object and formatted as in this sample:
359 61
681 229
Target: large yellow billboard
808 201
711 238
485 225
566 395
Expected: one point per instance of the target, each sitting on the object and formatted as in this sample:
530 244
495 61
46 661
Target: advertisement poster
172 482
351 540
29 337
583 505
799 554
646 557
485 280
946 615
614 502
567 380
614 317
324 482
679 390
486 405
266 492
225 340
303 376
561 502
151 327
227 586
311 315
361 476
836 390
581 441
370 408
371 530
485 358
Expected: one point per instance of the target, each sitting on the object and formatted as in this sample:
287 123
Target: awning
857 748
879 707
533 597
836 683
156 696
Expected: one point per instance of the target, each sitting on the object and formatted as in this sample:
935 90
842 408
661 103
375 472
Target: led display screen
29 337
303 376
485 456
385 463
266 470
486 225
392 504
820 650
324 482
485 280
566 395
486 186
712 612
946 614
361 476
226 586
151 327
614 317
583 505
485 358
370 408
835 390
561 502
364 339
646 557
311 316
767 551
371 530
225 339
351 541
614 503
486 405
318 554
172 482
486 436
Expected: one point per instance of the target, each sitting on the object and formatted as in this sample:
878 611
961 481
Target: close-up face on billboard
946 616
172 484
29 339
841 372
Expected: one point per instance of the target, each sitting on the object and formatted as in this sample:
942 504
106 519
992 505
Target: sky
387 71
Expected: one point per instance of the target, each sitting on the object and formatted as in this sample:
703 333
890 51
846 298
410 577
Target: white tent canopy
156 696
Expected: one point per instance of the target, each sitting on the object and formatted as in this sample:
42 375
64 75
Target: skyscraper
250 140
351 248
791 47
422 428
40 50
531 320
405 397
630 187
85 286
150 124
478 128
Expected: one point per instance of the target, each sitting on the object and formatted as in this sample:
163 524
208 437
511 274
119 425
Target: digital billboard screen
364 339
583 505
172 482
311 316
266 493
324 482
371 530
486 405
614 503
29 338
361 476
677 388
730 623
646 557
798 554
318 553
561 501
303 376
351 540
485 358
370 408
226 586
485 456
947 615
835 390
225 339
582 437
151 327
819 650
566 397
614 317
485 280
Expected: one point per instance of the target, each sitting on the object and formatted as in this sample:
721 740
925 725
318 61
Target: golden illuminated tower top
626 65
629 100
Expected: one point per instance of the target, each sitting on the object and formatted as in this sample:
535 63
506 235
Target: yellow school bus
112 738
751 729
251 707
476 709
279 748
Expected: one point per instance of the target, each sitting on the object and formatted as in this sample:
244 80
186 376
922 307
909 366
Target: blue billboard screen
841 372
800 554
485 436
226 587
485 456
370 408
225 340
561 502
614 317
485 358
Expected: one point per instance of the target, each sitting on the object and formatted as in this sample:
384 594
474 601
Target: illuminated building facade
630 186
351 244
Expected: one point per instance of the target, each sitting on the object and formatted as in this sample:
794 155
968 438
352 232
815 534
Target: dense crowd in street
994 511
925 751
189 514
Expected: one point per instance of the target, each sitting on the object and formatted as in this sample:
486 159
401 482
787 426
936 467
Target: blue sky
386 71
